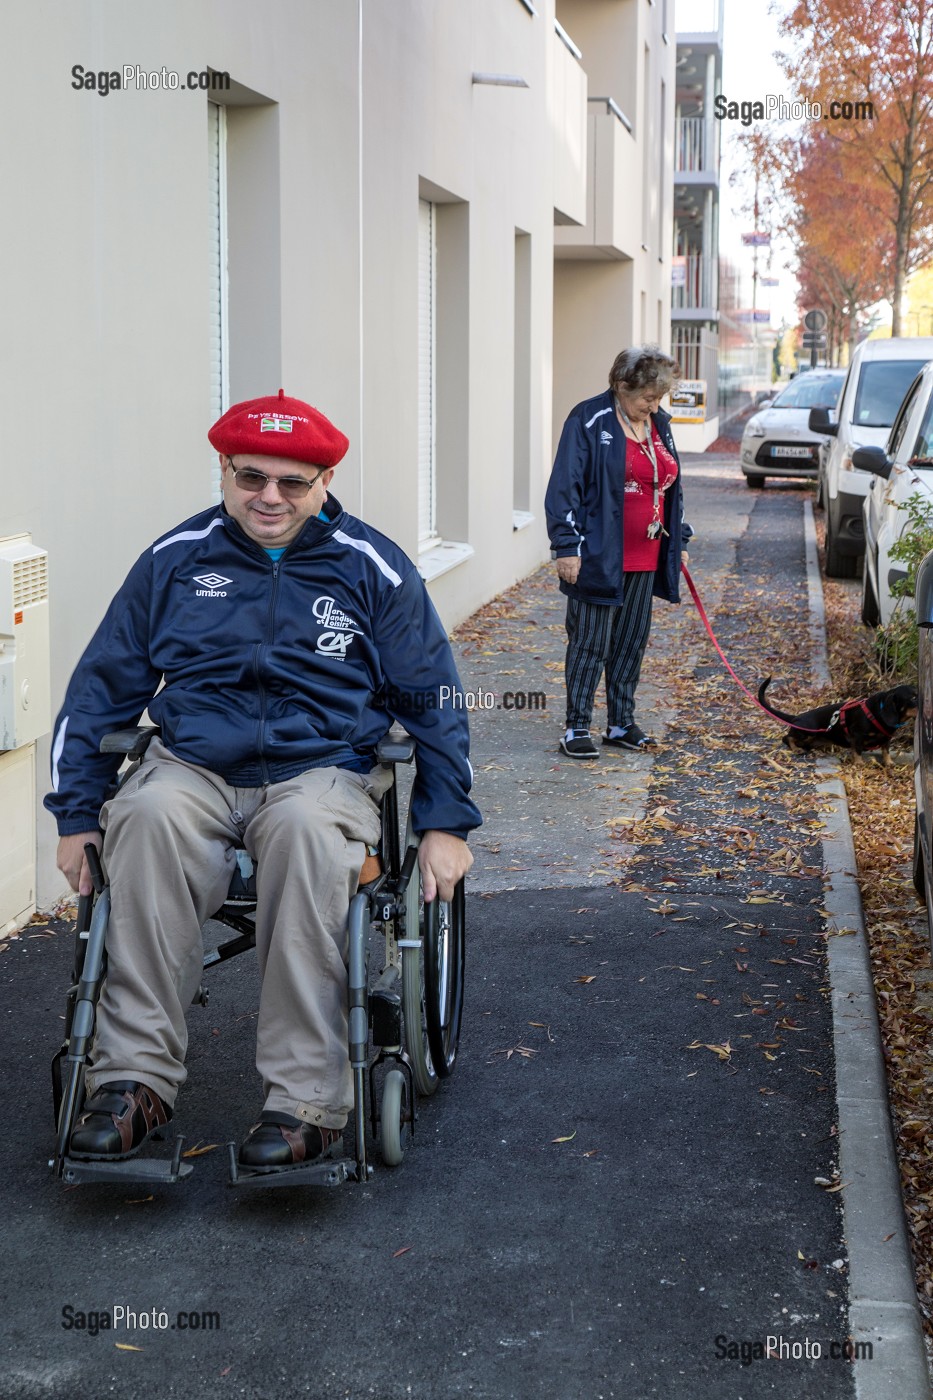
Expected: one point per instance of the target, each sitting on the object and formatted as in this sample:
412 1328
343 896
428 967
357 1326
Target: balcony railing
690 144
693 282
568 114
611 226
697 352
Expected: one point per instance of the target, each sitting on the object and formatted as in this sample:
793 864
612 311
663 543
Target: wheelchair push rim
433 972
444 959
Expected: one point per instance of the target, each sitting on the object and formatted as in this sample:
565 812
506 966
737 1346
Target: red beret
279 427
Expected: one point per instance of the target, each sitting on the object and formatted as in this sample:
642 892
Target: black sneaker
577 743
631 738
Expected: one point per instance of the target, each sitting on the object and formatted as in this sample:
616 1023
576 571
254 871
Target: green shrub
897 641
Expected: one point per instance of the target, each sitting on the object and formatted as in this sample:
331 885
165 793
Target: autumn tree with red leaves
877 51
844 262
797 188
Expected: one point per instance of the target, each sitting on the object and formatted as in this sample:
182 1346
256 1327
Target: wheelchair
411 1011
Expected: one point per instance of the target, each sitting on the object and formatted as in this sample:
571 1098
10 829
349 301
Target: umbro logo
213 585
605 438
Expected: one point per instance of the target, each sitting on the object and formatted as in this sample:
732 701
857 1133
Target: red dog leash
838 718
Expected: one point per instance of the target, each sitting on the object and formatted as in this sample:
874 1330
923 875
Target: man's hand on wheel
71 860
444 860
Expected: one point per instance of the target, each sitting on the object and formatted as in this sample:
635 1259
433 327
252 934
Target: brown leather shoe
117 1120
279 1141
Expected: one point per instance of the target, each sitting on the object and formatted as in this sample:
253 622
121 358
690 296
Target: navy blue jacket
585 499
269 669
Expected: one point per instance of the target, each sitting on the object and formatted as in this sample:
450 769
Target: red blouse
639 553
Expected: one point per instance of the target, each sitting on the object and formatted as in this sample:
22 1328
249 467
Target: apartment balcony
611 227
694 287
568 116
696 152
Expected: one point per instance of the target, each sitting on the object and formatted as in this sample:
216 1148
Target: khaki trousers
169 848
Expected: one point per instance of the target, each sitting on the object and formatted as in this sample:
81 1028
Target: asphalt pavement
615 1195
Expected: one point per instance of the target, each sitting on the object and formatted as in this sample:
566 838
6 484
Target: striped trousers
604 636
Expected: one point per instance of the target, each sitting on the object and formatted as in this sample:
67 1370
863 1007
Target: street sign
811 338
815 320
756 239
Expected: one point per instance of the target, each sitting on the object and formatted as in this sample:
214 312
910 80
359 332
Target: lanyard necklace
655 528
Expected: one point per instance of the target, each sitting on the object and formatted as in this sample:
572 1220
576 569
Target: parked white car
777 440
901 469
879 376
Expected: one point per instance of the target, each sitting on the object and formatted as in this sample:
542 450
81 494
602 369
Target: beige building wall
341 116
612 274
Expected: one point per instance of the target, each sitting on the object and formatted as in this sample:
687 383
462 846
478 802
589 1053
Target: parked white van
902 469
879 376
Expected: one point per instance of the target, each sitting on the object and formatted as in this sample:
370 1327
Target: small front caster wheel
395 1128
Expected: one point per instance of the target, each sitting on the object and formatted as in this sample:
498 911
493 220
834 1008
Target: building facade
437 221
695 295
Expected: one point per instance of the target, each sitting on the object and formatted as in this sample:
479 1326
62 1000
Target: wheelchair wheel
395 1121
413 990
444 957
432 983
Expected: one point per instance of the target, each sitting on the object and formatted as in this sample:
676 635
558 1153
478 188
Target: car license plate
791 452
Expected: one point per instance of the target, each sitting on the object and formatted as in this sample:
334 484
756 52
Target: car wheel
870 613
754 480
838 565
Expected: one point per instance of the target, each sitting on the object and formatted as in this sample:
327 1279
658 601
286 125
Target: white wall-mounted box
25 686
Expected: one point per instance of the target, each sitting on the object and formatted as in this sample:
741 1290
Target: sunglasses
294 488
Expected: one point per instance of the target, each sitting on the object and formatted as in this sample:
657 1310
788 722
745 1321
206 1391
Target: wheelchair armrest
399 748
132 742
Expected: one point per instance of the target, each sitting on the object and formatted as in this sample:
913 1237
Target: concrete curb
883 1306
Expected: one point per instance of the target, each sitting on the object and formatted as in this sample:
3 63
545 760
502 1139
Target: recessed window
427 366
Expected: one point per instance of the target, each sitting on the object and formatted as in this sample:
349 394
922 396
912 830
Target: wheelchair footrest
148 1171
333 1171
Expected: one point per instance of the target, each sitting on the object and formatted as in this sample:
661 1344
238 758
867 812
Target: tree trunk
902 226
900 277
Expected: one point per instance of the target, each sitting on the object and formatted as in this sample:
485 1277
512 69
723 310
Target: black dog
854 724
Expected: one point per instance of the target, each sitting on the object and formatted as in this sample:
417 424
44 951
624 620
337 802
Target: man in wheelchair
273 640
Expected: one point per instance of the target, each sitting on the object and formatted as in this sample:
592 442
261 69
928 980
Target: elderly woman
615 518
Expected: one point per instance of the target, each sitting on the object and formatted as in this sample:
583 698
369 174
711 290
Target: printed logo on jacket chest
213 585
339 628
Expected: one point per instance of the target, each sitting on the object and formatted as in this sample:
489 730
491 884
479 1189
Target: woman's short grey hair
643 367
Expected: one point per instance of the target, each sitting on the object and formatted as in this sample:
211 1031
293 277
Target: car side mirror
872 459
820 422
